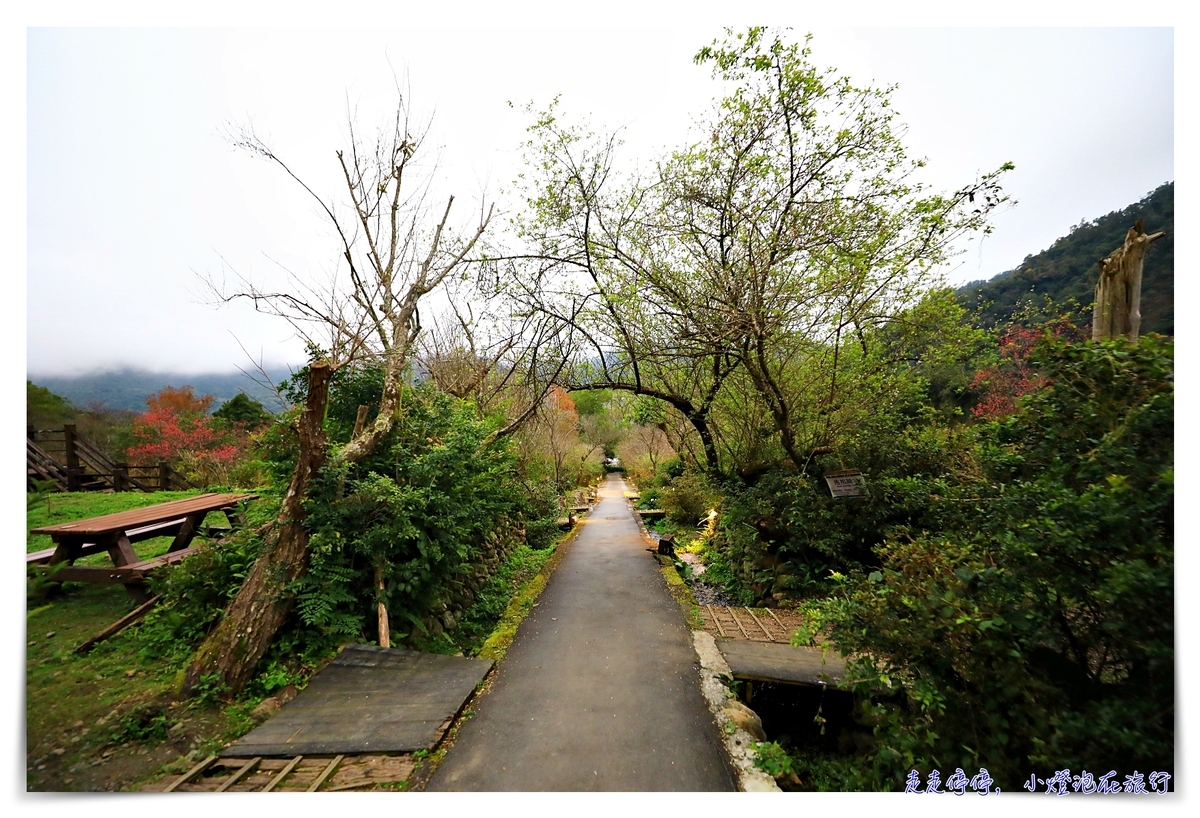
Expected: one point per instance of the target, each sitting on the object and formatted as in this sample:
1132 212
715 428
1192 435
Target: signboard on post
846 483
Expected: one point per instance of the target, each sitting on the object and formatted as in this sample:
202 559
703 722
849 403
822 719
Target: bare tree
505 362
395 249
643 449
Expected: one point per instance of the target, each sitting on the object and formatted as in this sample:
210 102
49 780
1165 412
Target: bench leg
121 552
63 554
187 532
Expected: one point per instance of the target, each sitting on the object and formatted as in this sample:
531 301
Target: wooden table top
124 520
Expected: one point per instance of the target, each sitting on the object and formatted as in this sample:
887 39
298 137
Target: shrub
1035 631
688 499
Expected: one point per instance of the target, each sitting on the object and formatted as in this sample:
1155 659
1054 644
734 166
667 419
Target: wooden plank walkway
296 774
774 662
755 624
368 700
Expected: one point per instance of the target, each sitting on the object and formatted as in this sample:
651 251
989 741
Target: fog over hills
128 388
1067 269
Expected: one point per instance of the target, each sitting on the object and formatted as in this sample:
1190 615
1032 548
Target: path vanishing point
600 690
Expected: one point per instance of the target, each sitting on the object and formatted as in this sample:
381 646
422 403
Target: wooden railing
76 464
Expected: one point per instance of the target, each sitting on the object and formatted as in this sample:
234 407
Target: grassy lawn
102 720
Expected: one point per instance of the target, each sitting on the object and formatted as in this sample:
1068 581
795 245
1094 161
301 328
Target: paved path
600 689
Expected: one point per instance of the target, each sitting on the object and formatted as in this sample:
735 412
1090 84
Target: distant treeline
126 389
1068 269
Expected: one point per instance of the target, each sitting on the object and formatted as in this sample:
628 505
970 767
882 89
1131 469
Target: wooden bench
116 533
168 529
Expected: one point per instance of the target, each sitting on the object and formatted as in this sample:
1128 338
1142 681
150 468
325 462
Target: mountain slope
1069 267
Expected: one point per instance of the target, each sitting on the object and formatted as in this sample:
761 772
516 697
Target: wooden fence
75 464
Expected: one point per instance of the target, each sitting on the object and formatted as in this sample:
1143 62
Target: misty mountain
128 388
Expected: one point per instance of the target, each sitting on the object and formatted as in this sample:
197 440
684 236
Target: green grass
522 564
521 602
103 720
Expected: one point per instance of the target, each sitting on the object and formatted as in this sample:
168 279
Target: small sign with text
846 483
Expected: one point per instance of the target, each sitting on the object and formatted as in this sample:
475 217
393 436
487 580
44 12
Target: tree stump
1117 311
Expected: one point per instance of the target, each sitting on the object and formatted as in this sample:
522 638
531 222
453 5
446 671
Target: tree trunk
385 631
232 650
1117 312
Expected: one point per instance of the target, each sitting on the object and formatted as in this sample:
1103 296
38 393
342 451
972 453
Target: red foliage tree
1000 386
176 423
181 401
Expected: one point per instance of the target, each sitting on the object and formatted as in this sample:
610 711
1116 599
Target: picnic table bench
116 534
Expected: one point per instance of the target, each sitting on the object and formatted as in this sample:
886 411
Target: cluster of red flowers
999 386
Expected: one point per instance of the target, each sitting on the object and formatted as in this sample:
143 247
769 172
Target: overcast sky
133 191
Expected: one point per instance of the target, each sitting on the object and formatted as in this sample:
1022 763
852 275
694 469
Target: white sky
132 190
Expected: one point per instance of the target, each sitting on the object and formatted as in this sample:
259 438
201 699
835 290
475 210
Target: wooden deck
773 662
296 774
368 700
754 624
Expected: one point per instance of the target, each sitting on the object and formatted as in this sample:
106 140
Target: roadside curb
715 676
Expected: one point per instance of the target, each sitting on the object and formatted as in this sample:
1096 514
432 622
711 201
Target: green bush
688 499
1035 630
434 499
425 504
785 533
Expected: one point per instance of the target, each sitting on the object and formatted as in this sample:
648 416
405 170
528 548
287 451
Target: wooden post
385 634
360 421
128 619
164 476
120 476
71 457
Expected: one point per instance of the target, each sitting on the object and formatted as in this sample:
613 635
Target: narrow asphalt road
600 690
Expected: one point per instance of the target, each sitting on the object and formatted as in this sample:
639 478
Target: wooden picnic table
116 534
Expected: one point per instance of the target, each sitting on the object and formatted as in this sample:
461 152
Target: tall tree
792 224
395 249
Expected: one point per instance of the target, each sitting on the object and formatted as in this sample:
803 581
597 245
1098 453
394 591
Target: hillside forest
727 325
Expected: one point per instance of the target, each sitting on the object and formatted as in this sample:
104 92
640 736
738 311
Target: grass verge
522 601
104 720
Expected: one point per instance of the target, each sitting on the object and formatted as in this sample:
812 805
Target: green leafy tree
243 409
755 256
44 409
